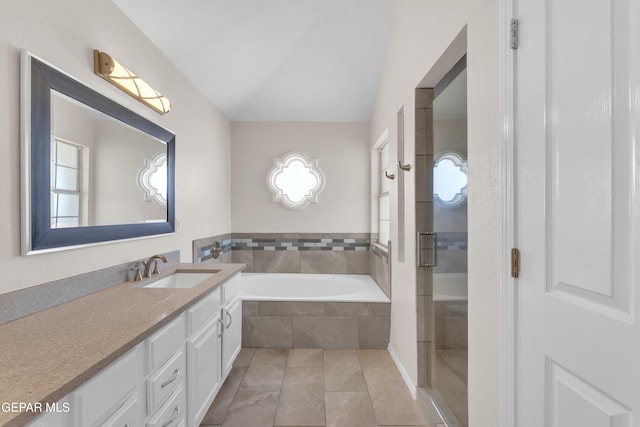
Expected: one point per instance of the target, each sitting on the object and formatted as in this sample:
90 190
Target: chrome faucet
152 260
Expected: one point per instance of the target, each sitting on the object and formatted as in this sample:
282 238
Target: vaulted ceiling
274 60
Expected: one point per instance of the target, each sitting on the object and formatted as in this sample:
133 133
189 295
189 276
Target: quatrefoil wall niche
296 180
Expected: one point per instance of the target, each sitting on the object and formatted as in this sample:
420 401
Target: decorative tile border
452 241
338 242
301 244
452 252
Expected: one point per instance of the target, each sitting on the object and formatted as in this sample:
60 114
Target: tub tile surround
203 249
288 324
24 302
323 253
380 267
333 388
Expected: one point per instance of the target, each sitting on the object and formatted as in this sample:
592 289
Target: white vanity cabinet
170 379
204 346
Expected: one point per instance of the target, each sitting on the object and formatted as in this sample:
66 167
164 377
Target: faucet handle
137 276
216 250
155 271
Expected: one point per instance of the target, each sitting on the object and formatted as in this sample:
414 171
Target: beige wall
421 32
343 153
64 33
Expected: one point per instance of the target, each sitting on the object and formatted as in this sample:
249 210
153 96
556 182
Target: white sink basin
182 280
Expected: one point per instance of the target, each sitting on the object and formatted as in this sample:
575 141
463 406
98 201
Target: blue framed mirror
82 154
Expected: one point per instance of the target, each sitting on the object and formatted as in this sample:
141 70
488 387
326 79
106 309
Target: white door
578 204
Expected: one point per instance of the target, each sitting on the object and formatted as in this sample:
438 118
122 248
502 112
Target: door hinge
515 263
513 33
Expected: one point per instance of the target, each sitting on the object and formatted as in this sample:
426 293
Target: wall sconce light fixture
118 75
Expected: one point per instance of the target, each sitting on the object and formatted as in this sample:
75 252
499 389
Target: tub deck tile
291 308
325 332
267 331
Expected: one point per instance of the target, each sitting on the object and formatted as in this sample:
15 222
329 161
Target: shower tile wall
424 223
452 252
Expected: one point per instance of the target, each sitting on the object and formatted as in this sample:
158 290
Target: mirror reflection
450 179
98 169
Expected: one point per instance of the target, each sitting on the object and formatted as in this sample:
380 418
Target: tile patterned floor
314 387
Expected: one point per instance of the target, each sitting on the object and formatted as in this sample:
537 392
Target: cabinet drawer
231 288
168 378
164 343
173 412
100 395
203 310
128 415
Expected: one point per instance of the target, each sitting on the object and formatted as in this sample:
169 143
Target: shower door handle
424 237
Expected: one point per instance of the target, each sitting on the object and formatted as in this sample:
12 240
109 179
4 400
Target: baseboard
407 380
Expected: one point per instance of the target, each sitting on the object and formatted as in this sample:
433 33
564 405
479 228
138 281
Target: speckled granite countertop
45 356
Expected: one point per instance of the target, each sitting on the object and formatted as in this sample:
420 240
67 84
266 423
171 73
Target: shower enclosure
442 240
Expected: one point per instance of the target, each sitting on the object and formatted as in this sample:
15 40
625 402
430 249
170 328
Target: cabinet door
232 336
103 395
58 415
203 370
128 415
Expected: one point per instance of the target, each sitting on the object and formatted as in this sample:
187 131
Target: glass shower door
449 355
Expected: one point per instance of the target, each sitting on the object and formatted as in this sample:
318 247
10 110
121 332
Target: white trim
376 183
25 152
382 139
508 214
407 380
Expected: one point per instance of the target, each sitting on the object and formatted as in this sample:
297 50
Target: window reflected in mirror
450 179
152 179
66 184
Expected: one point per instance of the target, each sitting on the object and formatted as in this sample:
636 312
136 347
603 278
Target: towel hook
392 176
405 168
